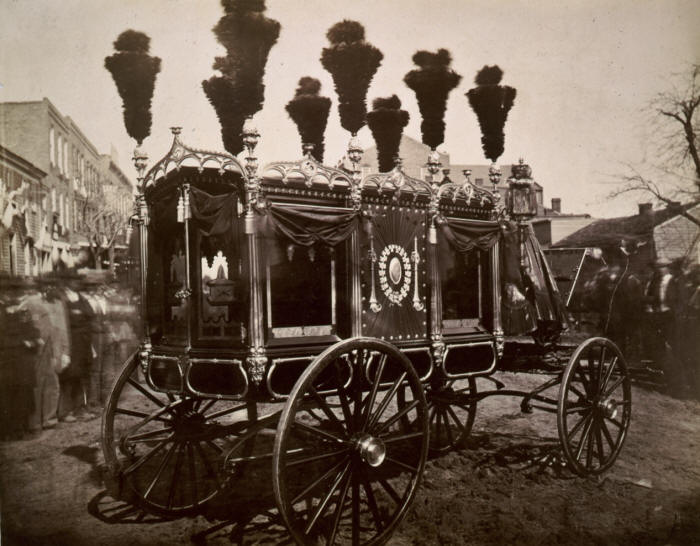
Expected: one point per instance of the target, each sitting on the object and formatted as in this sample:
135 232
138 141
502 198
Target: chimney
644 209
556 204
675 207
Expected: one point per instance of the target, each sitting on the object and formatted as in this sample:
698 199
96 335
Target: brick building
22 193
80 183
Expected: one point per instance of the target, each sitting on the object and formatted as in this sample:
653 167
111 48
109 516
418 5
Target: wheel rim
345 467
595 404
166 449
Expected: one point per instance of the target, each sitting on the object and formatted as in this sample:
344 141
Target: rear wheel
595 405
345 466
451 412
165 450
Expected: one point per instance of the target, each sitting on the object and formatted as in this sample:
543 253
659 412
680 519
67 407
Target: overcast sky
584 71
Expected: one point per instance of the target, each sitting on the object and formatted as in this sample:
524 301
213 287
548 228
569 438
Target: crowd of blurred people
63 339
653 318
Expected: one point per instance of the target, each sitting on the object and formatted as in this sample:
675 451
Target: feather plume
491 102
310 111
432 82
134 72
386 121
247 35
352 62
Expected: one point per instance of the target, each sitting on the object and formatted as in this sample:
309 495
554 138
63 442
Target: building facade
22 205
82 186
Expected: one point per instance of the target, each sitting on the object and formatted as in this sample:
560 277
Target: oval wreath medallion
395 273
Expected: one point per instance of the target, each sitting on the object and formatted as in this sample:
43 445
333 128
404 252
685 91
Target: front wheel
165 450
595 405
345 465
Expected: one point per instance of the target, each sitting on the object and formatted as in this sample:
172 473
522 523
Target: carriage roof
311 179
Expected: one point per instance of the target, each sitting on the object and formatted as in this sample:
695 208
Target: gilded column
257 359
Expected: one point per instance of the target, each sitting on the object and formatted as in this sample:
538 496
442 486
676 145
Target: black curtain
216 218
309 226
465 235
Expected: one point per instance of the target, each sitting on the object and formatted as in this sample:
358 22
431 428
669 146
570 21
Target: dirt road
490 492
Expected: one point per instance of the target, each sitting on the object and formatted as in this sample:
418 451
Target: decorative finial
176 130
308 149
250 137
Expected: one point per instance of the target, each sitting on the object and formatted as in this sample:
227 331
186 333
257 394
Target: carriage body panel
248 278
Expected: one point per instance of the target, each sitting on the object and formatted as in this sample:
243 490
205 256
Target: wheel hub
609 407
371 449
190 423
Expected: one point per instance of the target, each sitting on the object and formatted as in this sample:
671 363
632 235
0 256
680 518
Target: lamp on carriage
521 198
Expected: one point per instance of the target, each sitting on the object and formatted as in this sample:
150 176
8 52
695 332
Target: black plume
239 92
491 102
309 111
386 121
134 71
432 83
352 62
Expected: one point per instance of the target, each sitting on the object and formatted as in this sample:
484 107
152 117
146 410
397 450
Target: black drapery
465 235
531 300
215 216
309 226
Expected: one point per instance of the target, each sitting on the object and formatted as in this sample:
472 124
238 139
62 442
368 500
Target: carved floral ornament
182 155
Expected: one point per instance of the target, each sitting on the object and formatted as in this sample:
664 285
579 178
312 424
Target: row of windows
73 165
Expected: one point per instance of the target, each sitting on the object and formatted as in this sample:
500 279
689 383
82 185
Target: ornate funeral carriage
349 314
325 326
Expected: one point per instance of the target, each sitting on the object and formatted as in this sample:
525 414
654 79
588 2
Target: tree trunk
111 259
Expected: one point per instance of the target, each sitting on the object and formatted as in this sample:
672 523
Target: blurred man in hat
53 356
661 304
19 340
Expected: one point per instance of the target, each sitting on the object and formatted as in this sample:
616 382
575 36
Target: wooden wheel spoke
327 474
589 445
578 392
578 425
584 381
355 511
401 438
601 366
313 458
147 456
176 477
448 429
614 422
298 425
599 444
373 393
372 503
146 436
193 472
390 490
146 393
614 386
386 424
342 396
204 409
457 420
207 465
324 502
403 465
386 400
134 413
223 412
339 510
584 436
159 471
327 410
608 374
214 446
606 433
